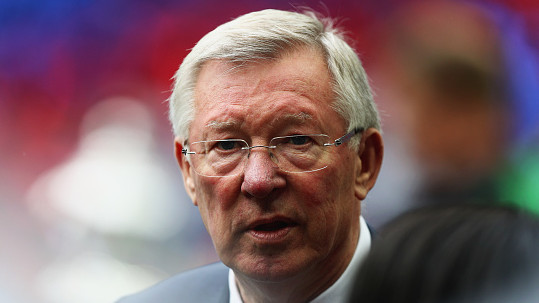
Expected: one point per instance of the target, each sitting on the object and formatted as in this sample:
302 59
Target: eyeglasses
292 154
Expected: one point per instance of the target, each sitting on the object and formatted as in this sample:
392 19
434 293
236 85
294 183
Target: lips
272 226
272 229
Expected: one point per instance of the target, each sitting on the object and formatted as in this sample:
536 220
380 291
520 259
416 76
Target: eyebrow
299 118
222 125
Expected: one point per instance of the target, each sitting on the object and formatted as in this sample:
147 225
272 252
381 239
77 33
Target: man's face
265 223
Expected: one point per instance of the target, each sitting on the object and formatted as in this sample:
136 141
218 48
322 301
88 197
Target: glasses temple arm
186 152
348 136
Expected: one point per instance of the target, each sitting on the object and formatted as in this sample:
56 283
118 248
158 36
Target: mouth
271 229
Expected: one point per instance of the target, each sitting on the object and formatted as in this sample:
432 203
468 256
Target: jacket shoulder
203 284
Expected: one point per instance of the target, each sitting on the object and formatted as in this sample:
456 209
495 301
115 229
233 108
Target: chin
271 269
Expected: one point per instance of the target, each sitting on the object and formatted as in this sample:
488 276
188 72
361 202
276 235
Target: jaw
273 281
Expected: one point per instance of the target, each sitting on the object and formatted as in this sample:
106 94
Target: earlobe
370 153
185 167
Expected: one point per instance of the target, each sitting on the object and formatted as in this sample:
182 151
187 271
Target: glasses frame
337 142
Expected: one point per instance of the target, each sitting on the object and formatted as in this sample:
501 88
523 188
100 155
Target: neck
302 287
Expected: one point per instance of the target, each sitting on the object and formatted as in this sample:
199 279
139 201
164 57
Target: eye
300 140
227 145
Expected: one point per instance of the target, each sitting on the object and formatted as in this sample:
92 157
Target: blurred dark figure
449 66
453 253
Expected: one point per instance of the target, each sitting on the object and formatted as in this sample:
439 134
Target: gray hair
267 34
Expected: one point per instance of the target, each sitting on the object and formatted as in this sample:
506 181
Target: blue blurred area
522 64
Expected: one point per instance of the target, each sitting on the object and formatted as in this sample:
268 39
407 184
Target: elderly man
278 140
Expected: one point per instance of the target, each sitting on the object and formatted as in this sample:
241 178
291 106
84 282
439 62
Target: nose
260 174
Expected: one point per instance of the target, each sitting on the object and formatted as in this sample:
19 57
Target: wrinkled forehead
296 88
300 69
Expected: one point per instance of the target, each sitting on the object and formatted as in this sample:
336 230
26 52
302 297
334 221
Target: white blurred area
113 183
91 277
108 207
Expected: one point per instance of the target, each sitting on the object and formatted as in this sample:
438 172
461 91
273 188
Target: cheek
217 192
216 198
327 196
337 188
326 211
341 207
330 186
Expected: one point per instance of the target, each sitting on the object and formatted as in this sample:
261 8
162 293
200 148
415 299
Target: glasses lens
301 153
216 158
294 154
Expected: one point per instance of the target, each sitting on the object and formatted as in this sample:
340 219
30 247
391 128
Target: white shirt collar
338 292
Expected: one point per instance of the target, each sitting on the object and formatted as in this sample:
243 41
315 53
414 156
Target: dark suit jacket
208 284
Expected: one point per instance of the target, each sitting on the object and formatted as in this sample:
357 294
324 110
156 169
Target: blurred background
92 205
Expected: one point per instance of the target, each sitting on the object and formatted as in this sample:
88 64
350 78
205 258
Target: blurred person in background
456 97
278 140
453 253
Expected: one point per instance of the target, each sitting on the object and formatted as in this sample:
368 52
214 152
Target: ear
370 153
185 167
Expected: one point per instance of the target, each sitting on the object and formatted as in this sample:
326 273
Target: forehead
295 87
